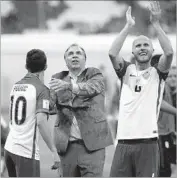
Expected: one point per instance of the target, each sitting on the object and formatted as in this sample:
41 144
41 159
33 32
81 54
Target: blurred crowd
19 16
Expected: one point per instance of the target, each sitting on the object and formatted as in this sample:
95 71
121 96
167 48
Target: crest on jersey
146 75
46 104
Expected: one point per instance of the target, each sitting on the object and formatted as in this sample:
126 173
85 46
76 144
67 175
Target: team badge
146 75
46 104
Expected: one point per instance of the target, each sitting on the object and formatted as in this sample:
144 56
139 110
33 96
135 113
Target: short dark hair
74 44
36 60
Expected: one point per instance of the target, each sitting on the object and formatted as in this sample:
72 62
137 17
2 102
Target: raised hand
130 19
155 11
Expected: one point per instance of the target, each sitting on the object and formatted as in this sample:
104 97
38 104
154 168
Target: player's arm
52 103
43 126
166 59
42 111
117 61
166 107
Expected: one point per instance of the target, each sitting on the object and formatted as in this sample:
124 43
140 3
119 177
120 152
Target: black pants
136 158
167 154
18 166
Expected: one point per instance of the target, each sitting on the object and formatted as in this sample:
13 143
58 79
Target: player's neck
39 76
142 66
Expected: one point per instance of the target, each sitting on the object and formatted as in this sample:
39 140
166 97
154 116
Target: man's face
142 49
172 77
75 58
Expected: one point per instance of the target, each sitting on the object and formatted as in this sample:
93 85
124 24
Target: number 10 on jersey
18 110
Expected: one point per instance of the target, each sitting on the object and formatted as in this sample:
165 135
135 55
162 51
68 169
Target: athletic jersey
140 100
28 97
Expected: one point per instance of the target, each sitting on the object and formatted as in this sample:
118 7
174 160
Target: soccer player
142 85
29 111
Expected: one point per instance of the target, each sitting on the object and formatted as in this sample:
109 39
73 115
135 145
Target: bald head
141 38
142 49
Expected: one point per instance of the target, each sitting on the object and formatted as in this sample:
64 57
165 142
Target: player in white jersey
29 109
142 86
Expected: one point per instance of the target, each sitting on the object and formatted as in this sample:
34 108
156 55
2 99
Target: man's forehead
75 48
141 39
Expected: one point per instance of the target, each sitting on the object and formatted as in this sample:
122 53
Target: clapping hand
130 19
155 11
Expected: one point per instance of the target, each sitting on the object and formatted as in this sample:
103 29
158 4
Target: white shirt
26 101
141 96
75 131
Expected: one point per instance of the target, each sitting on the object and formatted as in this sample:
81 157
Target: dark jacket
87 107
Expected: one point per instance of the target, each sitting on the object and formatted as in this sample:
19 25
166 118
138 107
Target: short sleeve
52 105
43 100
162 75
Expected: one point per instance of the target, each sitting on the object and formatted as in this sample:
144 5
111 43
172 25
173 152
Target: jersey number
137 88
16 115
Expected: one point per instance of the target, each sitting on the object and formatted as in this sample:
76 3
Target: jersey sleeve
120 73
43 99
52 105
162 75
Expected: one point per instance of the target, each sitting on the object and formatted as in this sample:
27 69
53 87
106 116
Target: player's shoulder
154 69
40 87
33 83
131 67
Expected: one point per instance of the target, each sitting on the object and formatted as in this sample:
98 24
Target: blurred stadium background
53 25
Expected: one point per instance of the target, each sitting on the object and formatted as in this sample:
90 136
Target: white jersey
28 97
140 100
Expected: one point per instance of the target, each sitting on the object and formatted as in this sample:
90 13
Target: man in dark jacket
81 129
